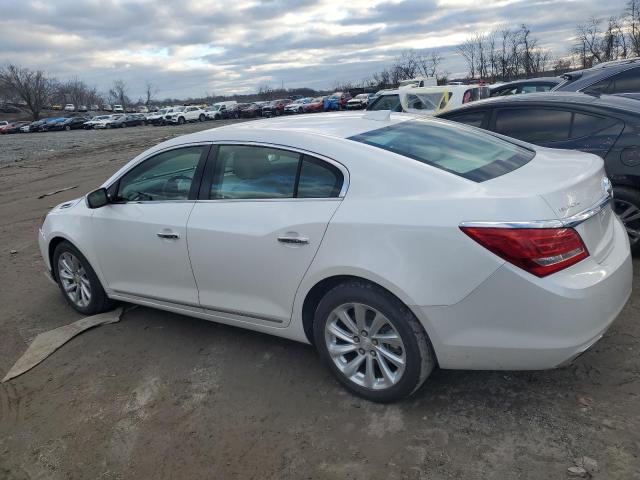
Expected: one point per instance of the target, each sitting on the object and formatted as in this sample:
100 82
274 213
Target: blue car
49 122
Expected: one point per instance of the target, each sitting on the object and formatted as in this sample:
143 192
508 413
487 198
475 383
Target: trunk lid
570 182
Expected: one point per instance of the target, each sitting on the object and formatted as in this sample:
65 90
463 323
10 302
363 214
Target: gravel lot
163 396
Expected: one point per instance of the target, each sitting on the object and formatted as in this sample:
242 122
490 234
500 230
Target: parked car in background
386 100
157 117
33 126
428 100
220 110
315 105
107 108
16 127
118 109
4 123
621 76
50 122
275 108
341 98
250 110
111 121
56 107
358 102
69 107
297 106
180 115
419 82
91 122
411 244
607 126
143 109
94 108
530 85
82 108
72 123
4 126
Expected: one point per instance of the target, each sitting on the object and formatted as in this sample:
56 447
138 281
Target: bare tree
33 87
632 18
151 91
118 92
468 50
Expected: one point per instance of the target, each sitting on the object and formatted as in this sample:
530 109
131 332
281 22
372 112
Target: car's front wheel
372 342
180 120
201 117
78 281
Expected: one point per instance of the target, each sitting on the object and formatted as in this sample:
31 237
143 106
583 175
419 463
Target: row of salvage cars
401 242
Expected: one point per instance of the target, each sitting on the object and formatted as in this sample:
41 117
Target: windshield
463 151
386 102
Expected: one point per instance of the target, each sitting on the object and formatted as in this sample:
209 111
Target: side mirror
98 198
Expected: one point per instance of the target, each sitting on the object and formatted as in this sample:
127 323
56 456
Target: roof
549 98
555 80
583 78
338 124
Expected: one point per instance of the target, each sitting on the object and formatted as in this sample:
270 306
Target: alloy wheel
74 279
365 346
629 213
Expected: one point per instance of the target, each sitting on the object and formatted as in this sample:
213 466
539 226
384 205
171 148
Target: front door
141 238
255 233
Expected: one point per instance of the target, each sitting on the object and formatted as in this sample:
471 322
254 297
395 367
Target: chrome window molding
568 222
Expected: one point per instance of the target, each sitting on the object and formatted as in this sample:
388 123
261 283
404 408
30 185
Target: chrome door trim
212 310
569 222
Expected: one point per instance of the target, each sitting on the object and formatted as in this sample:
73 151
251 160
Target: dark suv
607 125
621 76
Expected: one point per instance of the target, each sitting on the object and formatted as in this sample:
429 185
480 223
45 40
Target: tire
398 322
124 125
108 125
143 124
626 204
98 301
300 110
201 117
67 128
181 121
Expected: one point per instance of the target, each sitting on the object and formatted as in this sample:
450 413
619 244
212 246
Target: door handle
293 240
168 235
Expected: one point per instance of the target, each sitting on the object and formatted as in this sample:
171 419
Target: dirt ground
162 396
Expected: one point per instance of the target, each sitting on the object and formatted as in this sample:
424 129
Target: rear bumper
516 321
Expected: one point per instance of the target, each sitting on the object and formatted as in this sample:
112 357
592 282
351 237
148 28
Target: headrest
249 163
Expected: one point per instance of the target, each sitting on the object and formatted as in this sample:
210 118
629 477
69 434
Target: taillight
541 251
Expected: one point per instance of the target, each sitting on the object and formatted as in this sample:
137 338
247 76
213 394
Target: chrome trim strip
568 222
193 305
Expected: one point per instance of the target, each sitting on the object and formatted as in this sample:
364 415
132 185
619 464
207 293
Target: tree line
505 53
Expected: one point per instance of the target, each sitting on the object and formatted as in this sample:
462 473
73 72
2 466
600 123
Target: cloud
192 47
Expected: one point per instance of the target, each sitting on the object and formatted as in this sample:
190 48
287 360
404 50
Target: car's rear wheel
626 204
123 125
372 342
201 117
180 120
143 124
78 281
67 128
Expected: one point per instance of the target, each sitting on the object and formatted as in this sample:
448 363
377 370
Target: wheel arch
57 240
315 294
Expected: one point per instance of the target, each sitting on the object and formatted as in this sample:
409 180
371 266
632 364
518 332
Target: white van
428 100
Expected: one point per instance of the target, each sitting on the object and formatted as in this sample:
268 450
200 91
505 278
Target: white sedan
391 243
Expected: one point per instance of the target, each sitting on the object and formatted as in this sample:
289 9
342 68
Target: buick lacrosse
390 242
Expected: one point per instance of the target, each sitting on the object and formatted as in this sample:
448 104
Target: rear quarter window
462 151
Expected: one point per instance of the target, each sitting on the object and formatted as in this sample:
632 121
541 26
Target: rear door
254 231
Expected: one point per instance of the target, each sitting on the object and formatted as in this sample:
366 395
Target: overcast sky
192 47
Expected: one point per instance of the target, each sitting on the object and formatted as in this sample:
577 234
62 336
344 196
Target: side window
535 125
387 102
623 82
584 125
318 179
474 119
254 172
166 176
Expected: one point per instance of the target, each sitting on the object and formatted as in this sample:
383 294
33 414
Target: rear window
387 102
465 152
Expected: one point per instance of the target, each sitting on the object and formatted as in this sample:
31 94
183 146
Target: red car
315 105
4 128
